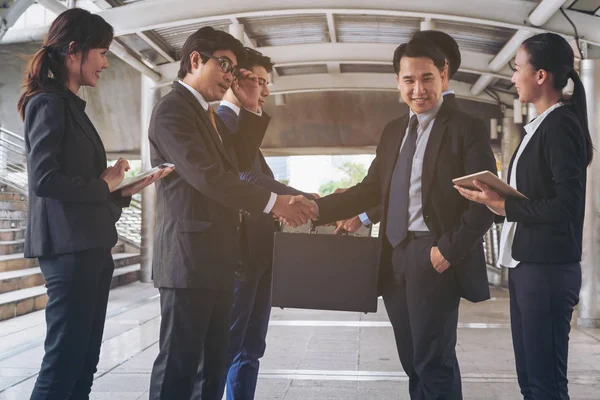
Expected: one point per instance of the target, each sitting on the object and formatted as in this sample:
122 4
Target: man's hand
138 187
247 90
486 196
348 225
114 175
437 260
294 210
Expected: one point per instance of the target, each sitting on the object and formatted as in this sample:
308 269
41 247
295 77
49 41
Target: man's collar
196 94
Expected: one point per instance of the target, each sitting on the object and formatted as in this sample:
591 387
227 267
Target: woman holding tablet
542 237
73 206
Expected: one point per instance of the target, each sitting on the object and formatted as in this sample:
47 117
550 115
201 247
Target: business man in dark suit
252 290
200 228
448 46
431 237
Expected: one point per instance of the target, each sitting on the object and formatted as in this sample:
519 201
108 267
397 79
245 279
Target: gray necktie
397 216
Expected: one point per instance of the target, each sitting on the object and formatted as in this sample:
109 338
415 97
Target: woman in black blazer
542 236
73 206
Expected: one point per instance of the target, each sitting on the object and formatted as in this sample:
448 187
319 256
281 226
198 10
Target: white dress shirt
509 227
416 223
205 105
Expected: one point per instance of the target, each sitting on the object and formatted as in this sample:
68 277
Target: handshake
295 210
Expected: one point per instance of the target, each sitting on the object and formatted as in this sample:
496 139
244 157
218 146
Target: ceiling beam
350 53
538 17
115 48
331 27
10 15
365 82
501 13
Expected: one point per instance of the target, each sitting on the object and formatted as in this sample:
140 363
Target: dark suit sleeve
119 200
477 219
44 133
374 214
564 151
177 137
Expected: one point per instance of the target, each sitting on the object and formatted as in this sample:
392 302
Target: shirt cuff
259 113
270 203
364 218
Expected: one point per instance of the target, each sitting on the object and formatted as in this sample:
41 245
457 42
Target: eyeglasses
227 66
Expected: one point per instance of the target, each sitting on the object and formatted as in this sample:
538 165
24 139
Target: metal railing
129 226
13 163
13 173
491 245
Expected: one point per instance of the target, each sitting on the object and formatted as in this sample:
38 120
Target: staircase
22 287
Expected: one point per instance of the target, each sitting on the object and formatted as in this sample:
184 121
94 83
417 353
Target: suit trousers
78 285
542 298
422 305
248 333
194 333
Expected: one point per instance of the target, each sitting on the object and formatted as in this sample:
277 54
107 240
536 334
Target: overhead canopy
324 45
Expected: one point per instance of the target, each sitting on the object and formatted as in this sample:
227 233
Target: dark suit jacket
552 173
374 214
70 207
260 227
197 237
458 145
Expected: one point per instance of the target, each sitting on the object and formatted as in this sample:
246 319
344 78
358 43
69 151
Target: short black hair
256 59
419 48
446 44
208 40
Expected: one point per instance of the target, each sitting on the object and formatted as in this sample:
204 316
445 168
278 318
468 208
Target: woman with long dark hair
542 236
73 204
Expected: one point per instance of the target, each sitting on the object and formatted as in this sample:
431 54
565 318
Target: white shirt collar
531 127
235 108
426 117
447 92
196 94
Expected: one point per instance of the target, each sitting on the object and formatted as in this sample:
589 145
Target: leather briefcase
325 272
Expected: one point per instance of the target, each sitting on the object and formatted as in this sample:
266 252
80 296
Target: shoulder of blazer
52 98
395 125
559 116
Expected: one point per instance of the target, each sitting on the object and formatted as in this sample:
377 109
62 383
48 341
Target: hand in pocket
437 260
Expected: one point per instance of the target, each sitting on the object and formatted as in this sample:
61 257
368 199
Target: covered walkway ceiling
325 45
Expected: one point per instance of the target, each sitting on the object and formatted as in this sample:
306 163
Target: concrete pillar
511 138
427 25
150 96
589 304
531 112
237 31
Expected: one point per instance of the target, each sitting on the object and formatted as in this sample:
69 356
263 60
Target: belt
419 235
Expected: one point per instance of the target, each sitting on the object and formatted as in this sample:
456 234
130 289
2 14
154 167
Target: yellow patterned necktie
211 116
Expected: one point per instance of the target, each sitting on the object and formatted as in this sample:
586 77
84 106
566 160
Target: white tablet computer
139 177
495 183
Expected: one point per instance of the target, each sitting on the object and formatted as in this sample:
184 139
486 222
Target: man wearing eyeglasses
200 222
252 290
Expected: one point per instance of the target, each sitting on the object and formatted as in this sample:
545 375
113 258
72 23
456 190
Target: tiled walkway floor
310 354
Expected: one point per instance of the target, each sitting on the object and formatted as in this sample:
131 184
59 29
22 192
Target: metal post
510 140
531 112
150 96
589 305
